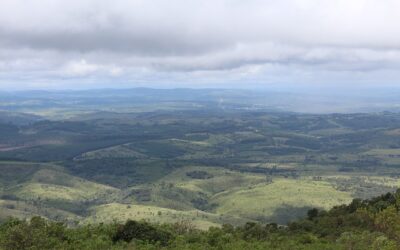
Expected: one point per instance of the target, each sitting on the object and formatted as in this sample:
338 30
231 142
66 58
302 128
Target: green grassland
48 190
122 212
53 185
27 209
282 200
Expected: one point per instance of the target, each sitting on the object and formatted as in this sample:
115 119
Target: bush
133 230
199 175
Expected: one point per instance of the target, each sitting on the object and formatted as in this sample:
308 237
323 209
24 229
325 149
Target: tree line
362 224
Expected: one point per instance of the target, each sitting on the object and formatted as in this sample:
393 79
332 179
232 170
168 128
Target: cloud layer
84 43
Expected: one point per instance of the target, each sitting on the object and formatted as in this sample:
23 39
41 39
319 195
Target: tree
312 213
141 231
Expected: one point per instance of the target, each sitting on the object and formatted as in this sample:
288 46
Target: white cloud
80 68
155 41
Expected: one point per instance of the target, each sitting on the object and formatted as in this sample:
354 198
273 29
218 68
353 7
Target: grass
388 155
185 143
222 180
123 212
233 197
120 151
264 200
12 173
8 209
385 181
26 209
384 152
54 185
177 190
267 165
29 180
395 132
244 195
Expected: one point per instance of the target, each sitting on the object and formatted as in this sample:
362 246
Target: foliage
363 224
199 175
141 231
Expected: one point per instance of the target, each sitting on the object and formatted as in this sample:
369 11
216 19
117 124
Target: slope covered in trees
363 224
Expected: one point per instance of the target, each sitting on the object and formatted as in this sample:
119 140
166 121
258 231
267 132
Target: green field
283 200
122 212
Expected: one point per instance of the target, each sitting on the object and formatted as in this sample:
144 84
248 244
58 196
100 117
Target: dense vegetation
363 224
211 157
206 166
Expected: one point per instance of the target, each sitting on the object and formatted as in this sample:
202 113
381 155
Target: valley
208 165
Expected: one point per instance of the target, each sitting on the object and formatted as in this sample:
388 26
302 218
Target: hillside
363 224
209 166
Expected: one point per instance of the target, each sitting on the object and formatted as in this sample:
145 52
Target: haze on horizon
85 44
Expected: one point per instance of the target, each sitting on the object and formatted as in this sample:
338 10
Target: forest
362 224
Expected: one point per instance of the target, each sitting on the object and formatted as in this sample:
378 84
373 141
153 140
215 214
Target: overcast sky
186 43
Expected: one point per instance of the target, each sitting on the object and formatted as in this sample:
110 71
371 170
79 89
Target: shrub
133 230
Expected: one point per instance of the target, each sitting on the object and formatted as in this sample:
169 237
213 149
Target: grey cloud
111 40
152 40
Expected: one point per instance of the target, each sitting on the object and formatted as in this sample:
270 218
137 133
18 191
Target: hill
363 224
211 166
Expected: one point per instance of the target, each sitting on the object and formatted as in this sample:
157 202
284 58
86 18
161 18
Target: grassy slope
222 179
244 195
30 189
26 209
265 200
52 184
122 212
120 151
234 197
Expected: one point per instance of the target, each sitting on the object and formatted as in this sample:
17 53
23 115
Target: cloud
170 41
82 68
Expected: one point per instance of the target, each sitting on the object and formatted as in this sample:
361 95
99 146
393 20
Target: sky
83 44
